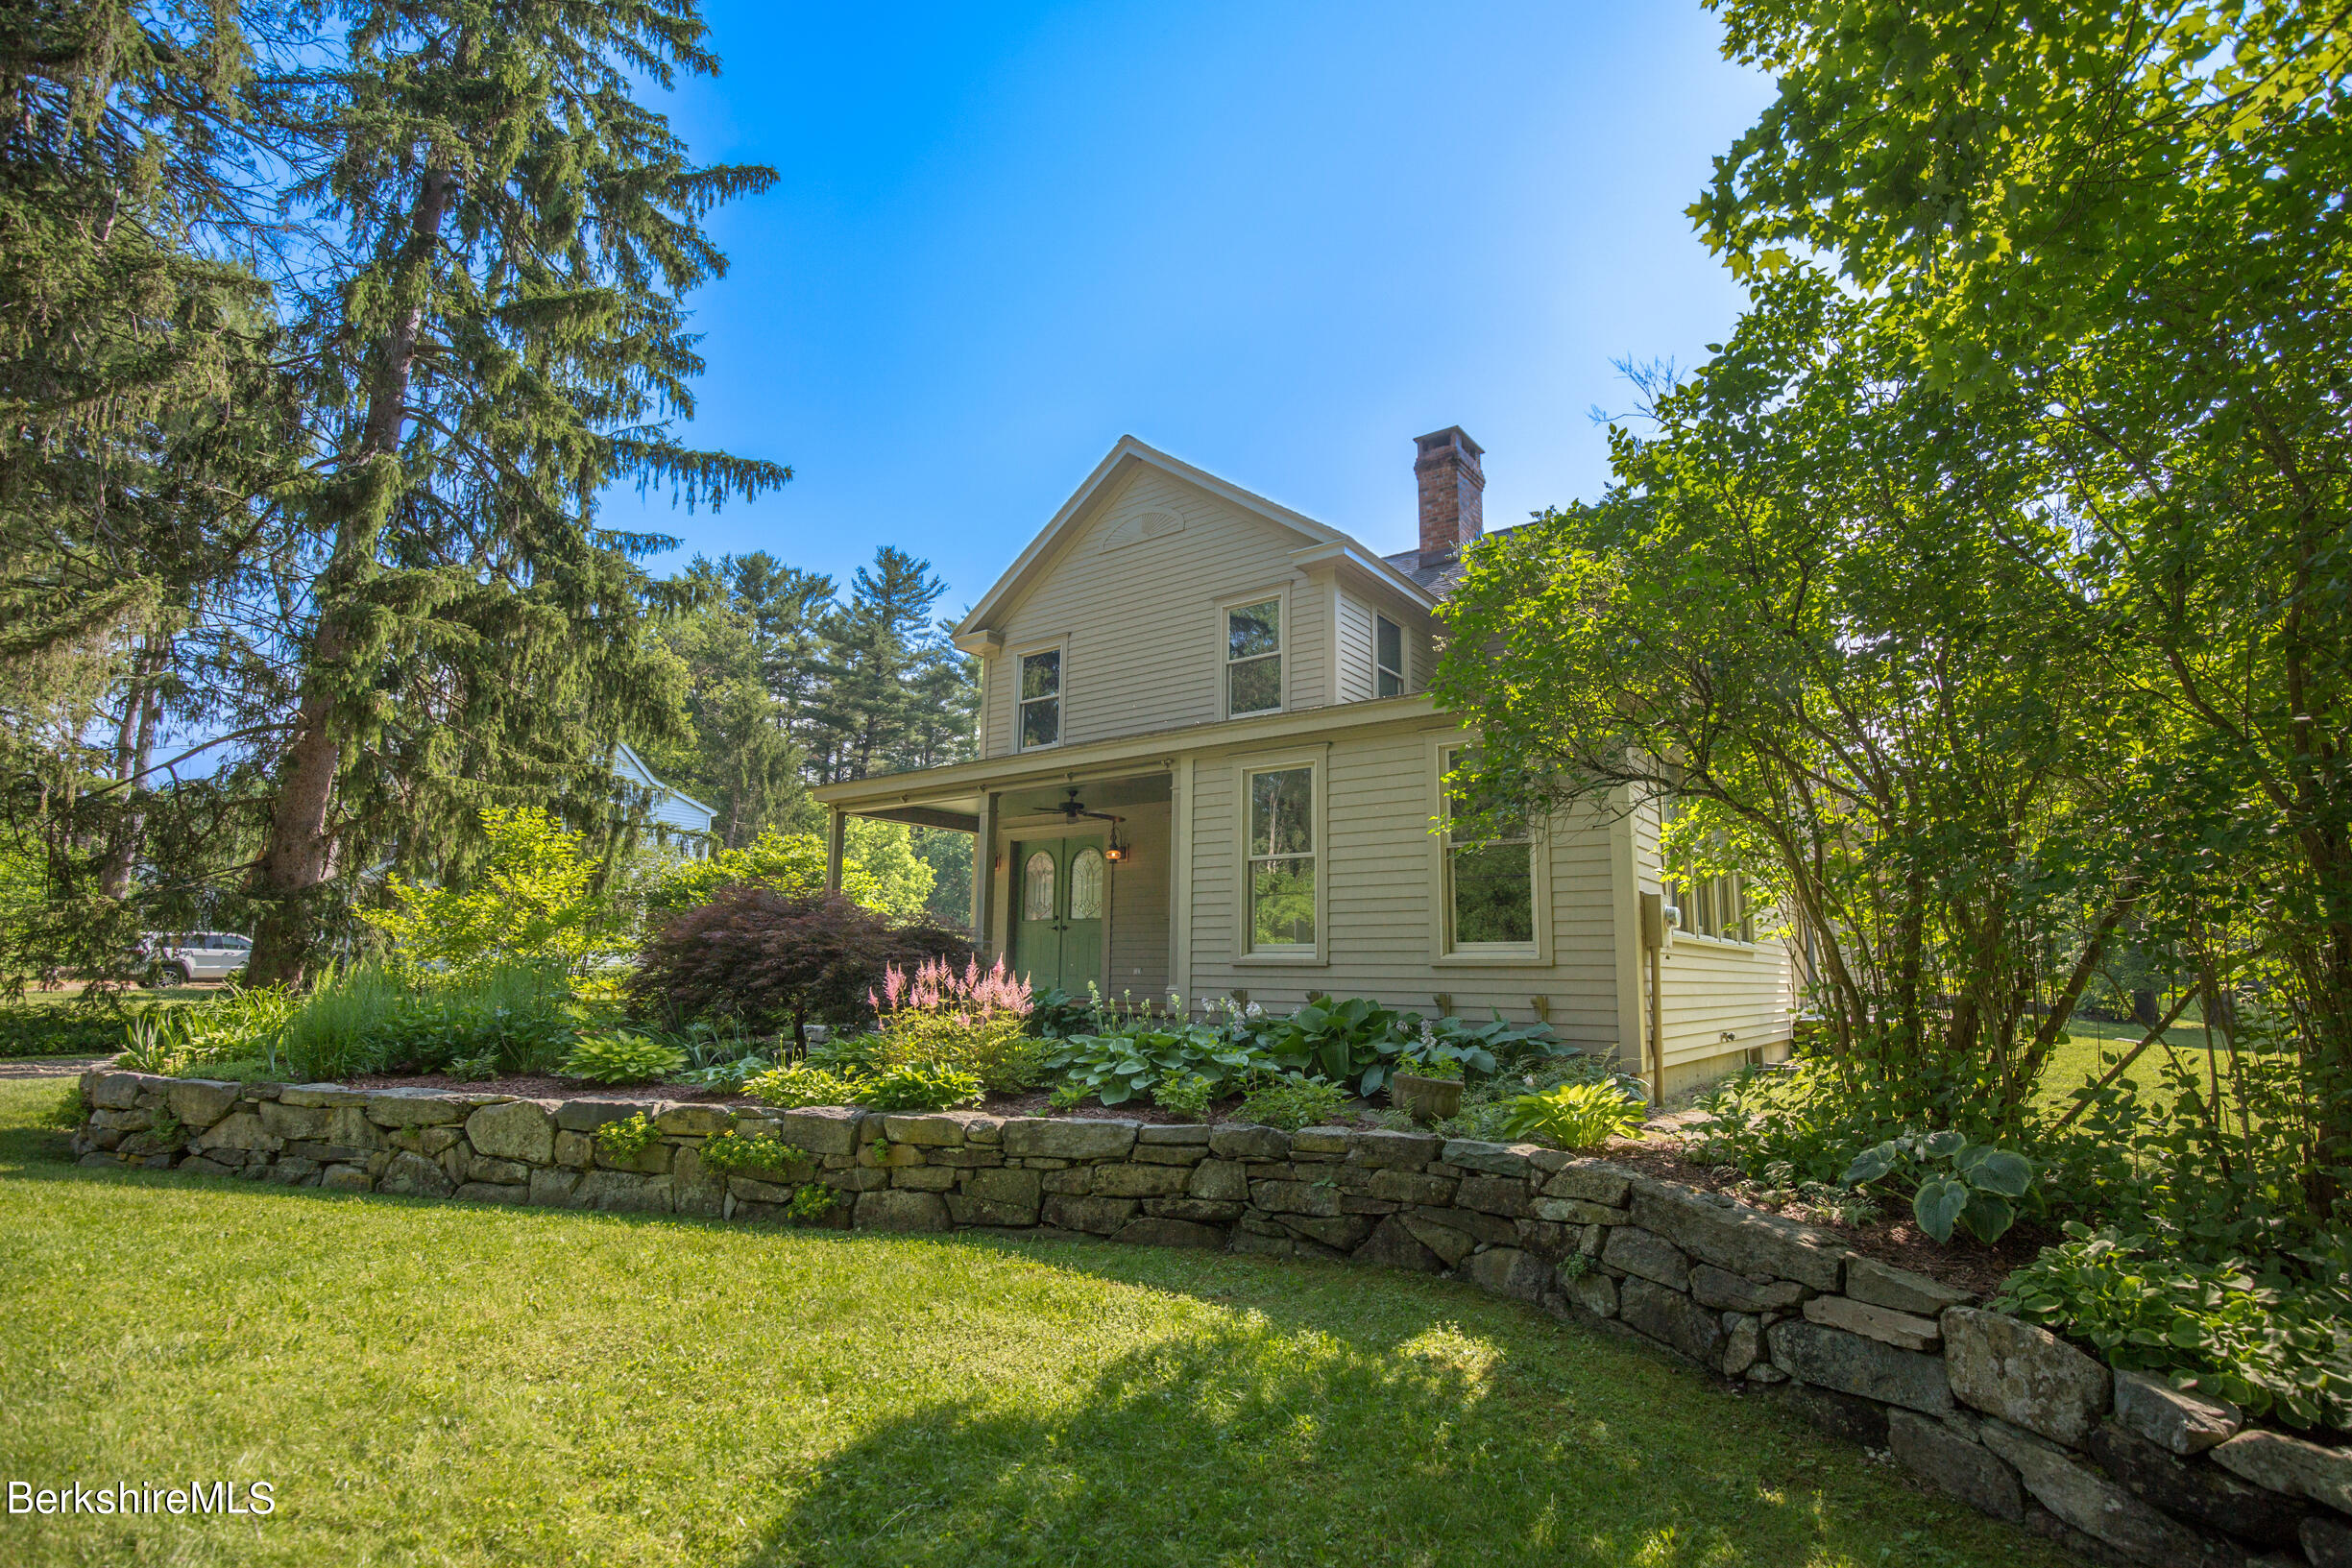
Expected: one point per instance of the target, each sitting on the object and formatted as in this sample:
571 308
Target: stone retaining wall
2000 1414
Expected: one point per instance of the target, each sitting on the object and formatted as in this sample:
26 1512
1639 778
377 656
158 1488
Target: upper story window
1253 658
1389 658
1282 861
1490 882
1040 700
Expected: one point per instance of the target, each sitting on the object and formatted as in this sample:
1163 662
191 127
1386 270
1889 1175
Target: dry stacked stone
1999 1414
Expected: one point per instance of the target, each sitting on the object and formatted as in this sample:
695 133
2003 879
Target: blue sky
1277 241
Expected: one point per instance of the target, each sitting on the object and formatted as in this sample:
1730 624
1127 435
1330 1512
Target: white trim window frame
1389 674
1249 650
1043 700
1534 947
1280 837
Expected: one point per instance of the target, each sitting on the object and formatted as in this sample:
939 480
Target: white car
176 958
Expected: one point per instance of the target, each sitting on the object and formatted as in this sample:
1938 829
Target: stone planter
1426 1099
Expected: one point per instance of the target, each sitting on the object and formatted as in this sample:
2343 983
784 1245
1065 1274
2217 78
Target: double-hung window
1717 906
1489 878
1040 699
1388 658
1281 845
1253 658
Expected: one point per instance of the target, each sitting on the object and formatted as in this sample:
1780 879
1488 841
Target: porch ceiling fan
1073 808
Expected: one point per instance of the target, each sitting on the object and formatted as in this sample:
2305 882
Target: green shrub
917 1087
620 1057
1189 1092
2277 1347
795 1085
42 1030
1574 1115
1290 1101
475 1068
1069 1095
627 1140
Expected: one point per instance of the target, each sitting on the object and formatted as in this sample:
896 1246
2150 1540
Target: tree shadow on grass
1302 1428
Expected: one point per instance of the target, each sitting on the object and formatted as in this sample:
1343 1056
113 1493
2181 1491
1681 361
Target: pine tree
496 334
876 649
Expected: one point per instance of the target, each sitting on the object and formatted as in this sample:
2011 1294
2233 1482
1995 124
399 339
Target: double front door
1060 892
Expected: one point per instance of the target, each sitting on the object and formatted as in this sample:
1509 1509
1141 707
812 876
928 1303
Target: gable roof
1124 457
633 767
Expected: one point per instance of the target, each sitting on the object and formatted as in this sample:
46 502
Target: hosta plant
795 1085
620 1057
1974 1186
1575 1115
1117 1068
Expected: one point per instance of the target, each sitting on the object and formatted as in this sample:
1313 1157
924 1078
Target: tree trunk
300 855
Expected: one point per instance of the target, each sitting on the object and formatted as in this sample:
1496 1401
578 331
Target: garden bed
1030 1103
1963 1262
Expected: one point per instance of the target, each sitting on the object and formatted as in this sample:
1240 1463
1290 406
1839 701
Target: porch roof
950 796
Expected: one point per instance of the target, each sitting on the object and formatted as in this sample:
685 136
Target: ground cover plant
627 1396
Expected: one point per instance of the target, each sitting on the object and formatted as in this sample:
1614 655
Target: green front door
1060 891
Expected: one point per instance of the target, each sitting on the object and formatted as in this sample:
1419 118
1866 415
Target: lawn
440 1384
2078 1061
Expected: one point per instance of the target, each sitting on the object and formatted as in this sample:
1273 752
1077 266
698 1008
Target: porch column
835 828
983 858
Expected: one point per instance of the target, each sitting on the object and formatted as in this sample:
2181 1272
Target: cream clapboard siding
1138 959
1380 897
1708 987
1352 654
1140 614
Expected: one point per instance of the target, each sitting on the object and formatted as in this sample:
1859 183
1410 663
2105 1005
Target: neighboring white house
679 821
1209 766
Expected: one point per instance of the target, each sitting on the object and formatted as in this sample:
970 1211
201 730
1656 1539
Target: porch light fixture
1072 809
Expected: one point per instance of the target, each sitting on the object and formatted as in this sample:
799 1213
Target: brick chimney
1452 485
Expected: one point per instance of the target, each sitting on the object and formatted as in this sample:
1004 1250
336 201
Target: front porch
1071 867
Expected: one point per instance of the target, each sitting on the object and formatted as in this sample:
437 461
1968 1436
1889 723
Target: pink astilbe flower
935 987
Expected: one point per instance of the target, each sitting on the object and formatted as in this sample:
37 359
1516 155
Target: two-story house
1209 767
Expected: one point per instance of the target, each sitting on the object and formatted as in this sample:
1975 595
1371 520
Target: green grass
2078 1062
52 1022
441 1383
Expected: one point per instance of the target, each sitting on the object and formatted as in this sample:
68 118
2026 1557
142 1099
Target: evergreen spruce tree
146 424
496 334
